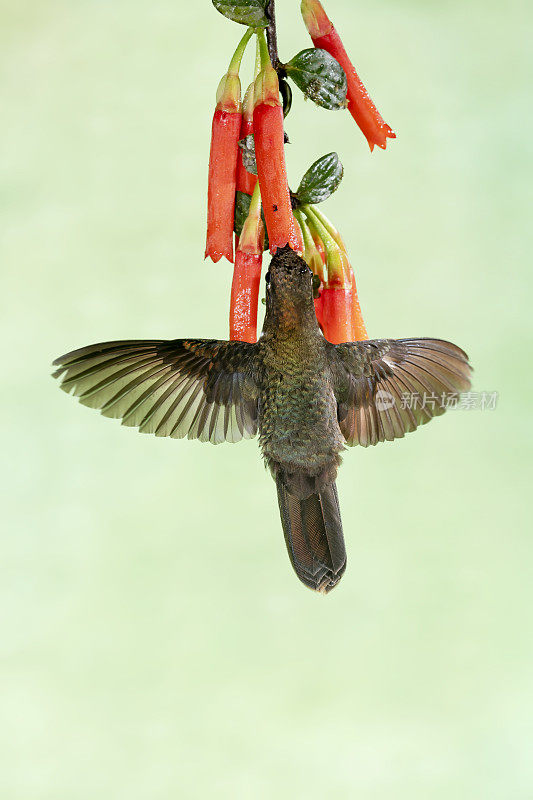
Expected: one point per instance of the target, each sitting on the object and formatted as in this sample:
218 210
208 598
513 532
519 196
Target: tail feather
313 535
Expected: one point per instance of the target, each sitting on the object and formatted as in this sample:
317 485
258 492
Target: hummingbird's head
289 286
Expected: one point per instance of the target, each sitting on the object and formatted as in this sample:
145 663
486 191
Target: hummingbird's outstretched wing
386 388
202 389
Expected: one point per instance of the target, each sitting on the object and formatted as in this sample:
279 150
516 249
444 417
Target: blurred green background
155 642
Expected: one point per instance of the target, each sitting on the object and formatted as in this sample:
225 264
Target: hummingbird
306 399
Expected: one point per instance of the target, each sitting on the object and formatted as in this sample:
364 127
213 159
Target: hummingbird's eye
267 277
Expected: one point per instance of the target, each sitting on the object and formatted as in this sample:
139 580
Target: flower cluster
336 302
248 192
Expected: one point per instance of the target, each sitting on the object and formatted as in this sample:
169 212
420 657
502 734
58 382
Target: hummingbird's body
300 438
298 428
307 398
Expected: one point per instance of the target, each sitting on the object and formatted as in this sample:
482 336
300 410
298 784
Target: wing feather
386 388
204 389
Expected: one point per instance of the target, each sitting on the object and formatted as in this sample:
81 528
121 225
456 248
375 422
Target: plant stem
330 245
329 227
235 62
272 36
262 49
311 253
339 270
257 68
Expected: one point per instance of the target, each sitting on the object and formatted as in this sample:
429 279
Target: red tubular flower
360 104
270 158
336 296
225 134
337 318
298 245
336 315
319 309
341 313
246 180
341 317
247 275
358 326
244 296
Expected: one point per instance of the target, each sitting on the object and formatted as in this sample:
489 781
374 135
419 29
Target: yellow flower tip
248 102
266 88
316 20
339 270
316 265
229 93
252 237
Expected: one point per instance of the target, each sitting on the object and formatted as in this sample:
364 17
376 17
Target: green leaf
247 146
320 77
242 207
321 179
286 94
247 12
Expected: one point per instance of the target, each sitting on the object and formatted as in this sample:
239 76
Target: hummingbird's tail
313 534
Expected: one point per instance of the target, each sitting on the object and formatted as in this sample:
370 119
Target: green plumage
307 399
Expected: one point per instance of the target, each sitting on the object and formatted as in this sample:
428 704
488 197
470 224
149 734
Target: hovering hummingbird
307 399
